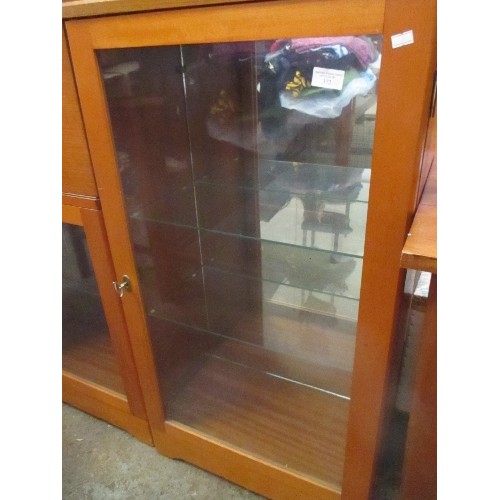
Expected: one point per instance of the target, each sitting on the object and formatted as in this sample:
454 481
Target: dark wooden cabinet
260 212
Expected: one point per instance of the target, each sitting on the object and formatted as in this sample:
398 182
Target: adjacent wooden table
420 249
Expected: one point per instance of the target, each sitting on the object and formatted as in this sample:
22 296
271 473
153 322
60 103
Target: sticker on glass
328 78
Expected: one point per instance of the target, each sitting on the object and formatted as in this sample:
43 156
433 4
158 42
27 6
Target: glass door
245 170
99 370
87 350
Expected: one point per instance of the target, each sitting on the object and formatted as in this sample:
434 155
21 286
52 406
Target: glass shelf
257 263
329 283
234 293
330 182
325 365
334 232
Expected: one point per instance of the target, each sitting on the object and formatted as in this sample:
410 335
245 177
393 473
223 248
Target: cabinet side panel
77 175
404 99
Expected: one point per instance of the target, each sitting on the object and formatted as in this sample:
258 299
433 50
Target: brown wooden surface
404 85
85 8
259 401
420 249
179 441
90 356
105 395
77 174
324 377
405 89
71 215
265 416
419 478
104 404
226 23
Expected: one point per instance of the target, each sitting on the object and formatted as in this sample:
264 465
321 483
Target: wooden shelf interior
88 353
283 409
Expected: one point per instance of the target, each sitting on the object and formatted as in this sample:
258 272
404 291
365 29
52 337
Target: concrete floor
100 461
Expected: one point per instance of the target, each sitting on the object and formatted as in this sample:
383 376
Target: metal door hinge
124 285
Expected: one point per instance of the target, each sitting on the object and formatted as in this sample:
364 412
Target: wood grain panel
266 416
71 215
237 22
90 356
331 379
254 400
75 383
86 8
420 249
77 175
178 441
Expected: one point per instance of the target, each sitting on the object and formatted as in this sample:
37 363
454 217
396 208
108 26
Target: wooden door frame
405 88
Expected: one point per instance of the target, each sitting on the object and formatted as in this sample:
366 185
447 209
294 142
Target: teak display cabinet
258 166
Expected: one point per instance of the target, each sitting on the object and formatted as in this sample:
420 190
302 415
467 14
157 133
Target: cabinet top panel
88 8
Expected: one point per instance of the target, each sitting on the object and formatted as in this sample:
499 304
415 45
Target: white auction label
328 78
401 39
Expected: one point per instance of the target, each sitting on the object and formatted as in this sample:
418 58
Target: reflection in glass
86 345
245 169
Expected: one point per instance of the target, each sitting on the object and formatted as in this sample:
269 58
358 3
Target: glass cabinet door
245 170
87 351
